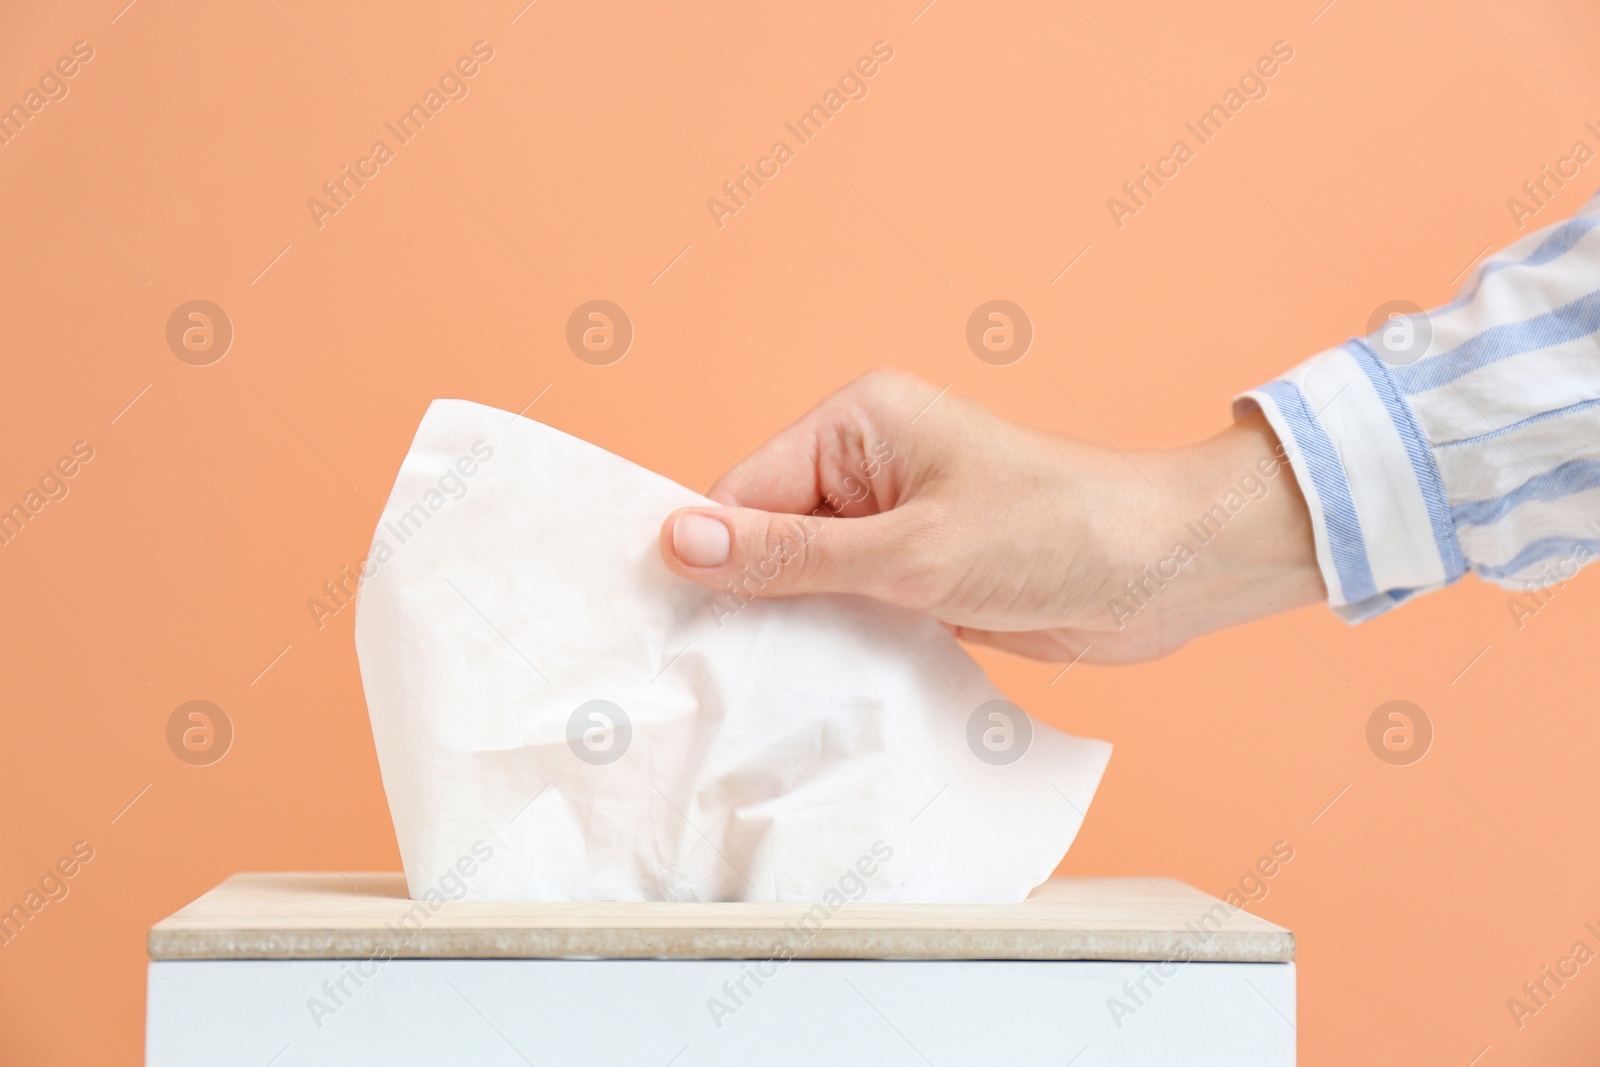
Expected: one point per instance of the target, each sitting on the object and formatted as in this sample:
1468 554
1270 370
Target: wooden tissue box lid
290 916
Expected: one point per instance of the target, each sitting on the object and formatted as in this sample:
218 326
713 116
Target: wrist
1227 538
1259 553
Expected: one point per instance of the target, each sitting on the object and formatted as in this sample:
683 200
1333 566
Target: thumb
748 553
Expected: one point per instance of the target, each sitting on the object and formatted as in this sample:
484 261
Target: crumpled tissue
545 693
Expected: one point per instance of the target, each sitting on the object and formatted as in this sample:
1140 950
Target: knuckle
785 548
887 401
884 373
892 381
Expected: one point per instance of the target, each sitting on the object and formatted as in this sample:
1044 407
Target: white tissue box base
430 1012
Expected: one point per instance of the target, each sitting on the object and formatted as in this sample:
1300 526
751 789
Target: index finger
830 454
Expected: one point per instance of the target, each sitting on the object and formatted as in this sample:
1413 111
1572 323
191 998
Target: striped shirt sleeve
1462 439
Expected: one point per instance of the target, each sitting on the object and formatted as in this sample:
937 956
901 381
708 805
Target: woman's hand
1012 537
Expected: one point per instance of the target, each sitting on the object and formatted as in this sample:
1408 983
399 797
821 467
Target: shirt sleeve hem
1379 515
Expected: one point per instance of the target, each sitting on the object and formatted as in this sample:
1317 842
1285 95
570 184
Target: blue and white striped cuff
1382 523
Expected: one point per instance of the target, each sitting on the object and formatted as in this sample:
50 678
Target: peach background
192 541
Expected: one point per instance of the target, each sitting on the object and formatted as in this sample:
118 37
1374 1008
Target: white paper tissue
541 684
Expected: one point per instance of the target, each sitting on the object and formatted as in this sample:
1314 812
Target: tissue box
325 969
